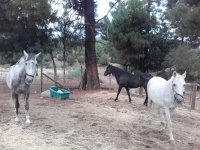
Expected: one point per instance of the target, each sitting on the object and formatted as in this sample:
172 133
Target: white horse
19 80
167 94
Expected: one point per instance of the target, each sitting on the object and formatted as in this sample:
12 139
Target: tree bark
64 60
90 52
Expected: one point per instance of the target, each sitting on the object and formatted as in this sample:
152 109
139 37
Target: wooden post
194 90
56 82
41 72
81 71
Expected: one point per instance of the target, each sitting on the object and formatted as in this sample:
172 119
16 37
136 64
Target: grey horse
19 80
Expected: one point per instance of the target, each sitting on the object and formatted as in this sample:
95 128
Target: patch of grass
51 74
74 73
5 66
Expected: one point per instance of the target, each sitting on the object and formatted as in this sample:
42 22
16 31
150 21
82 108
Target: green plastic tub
58 93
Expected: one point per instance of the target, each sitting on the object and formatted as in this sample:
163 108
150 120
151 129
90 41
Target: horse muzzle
29 79
178 98
105 73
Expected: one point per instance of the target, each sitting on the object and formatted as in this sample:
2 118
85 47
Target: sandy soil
91 120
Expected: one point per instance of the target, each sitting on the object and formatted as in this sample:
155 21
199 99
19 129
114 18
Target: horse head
108 70
30 67
178 86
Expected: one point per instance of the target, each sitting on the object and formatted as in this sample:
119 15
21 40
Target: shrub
70 59
81 59
184 59
101 51
76 73
104 59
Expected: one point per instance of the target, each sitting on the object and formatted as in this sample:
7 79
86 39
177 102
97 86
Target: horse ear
184 75
36 56
174 73
26 55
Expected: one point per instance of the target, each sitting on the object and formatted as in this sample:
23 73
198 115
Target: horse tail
8 77
8 80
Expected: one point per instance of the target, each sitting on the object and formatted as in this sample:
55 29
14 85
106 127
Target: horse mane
119 70
21 60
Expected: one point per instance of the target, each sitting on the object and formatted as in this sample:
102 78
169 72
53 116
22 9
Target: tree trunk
83 81
90 52
64 61
54 66
41 71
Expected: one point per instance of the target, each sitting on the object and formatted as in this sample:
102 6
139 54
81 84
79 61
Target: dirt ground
92 120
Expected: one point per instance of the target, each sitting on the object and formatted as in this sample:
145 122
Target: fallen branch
57 83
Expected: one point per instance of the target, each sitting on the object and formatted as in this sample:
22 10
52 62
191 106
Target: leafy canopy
137 34
185 21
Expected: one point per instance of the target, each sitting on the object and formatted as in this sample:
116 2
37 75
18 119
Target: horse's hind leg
163 119
26 97
127 90
16 97
119 90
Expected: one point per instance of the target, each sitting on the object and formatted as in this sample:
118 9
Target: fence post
109 82
194 90
41 72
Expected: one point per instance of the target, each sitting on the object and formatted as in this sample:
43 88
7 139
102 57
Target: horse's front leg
26 98
127 90
146 99
16 97
169 124
119 90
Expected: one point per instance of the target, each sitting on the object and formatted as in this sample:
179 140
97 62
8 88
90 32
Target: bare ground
91 120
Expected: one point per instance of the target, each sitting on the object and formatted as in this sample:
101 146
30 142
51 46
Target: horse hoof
172 142
28 122
145 104
17 120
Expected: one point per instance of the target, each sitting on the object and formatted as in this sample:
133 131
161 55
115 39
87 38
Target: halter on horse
20 78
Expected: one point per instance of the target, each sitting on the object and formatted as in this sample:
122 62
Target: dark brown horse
128 80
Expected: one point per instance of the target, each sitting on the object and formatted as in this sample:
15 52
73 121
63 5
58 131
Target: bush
184 59
59 57
103 60
74 74
70 59
81 59
101 53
